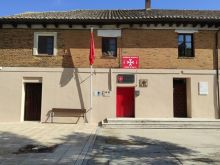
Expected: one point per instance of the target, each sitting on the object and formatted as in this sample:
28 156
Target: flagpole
91 85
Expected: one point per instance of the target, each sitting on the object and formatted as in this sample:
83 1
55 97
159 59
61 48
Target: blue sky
10 7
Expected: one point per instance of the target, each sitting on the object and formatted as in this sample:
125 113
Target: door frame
25 81
116 99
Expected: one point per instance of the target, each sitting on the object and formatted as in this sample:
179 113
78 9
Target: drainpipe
217 70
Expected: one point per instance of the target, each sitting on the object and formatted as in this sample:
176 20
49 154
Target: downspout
217 70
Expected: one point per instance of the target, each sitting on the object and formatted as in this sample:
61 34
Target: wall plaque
143 83
203 88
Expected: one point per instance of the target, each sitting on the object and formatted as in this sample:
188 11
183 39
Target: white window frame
36 37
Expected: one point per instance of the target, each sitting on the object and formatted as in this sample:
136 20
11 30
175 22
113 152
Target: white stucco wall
64 88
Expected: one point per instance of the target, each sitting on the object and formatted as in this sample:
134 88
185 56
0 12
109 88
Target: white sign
203 88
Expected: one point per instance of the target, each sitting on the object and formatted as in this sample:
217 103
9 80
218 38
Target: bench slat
67 109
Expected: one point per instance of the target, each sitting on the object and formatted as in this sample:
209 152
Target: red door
125 102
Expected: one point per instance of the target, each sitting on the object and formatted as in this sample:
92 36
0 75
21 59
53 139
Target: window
109 46
185 45
45 43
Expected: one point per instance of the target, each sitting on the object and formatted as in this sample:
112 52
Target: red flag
92 49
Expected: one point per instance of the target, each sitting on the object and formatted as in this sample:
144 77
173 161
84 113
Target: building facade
44 65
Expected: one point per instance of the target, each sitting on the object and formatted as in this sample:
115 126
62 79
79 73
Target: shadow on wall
68 69
215 97
68 74
215 86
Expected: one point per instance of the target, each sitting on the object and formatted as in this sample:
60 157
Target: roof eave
108 21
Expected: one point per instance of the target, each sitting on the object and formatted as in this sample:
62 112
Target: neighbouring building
149 63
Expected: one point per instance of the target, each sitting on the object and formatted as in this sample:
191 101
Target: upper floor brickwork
157 49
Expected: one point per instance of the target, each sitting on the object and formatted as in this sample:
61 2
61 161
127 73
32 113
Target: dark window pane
180 38
112 48
188 46
180 43
50 45
181 50
41 45
45 45
112 41
188 52
109 46
188 38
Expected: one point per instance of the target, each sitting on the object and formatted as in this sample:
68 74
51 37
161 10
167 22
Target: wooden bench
75 113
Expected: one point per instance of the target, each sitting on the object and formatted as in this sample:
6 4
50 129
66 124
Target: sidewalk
73 142
156 147
111 146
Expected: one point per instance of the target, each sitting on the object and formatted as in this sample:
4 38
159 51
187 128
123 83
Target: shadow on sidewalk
106 150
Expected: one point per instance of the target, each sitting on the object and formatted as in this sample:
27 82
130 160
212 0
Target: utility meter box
106 93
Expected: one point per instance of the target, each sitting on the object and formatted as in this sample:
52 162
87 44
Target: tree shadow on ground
12 145
133 149
141 150
136 150
67 147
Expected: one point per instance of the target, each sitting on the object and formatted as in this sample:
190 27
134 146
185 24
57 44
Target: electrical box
137 93
106 93
97 93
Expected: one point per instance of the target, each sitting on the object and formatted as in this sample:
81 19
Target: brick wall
159 49
156 49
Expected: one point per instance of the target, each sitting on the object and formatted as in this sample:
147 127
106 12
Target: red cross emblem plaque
130 62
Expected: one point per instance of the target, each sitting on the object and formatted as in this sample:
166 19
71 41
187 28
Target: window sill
43 55
108 57
186 57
